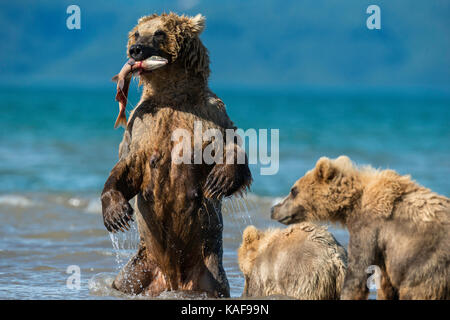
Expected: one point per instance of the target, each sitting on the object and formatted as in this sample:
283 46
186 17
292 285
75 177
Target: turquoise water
57 147
63 140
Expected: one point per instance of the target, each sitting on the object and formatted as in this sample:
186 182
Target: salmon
123 79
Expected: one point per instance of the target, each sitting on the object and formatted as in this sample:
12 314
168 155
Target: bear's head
326 193
173 37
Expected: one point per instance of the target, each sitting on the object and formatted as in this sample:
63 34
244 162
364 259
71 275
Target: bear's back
423 205
303 261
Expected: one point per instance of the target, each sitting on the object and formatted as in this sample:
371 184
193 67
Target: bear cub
394 223
303 261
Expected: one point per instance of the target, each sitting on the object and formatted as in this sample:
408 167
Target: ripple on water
54 232
15 200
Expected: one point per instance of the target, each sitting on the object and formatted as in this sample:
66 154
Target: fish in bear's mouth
123 79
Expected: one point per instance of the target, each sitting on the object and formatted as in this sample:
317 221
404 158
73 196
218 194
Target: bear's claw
225 180
117 212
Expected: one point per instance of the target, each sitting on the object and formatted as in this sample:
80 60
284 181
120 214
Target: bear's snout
275 212
280 215
136 51
141 52
287 213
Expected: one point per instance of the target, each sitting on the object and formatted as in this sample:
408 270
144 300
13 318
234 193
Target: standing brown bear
394 223
178 205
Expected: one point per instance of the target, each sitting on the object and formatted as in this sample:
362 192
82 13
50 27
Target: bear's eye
160 34
136 35
294 192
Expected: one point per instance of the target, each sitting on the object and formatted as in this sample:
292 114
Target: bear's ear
146 18
325 170
344 161
250 234
142 19
197 24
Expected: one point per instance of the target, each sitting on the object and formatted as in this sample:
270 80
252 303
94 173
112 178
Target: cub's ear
343 161
250 234
325 170
197 24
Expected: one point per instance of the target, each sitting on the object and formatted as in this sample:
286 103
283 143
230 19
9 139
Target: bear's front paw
117 212
225 179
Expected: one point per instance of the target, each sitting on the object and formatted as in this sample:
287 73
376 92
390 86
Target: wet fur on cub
394 223
303 261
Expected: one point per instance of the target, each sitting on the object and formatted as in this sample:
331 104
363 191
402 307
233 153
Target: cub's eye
160 33
294 191
136 35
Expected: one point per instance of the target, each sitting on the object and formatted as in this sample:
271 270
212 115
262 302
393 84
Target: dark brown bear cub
178 205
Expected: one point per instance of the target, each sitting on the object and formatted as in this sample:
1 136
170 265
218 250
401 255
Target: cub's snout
274 212
287 212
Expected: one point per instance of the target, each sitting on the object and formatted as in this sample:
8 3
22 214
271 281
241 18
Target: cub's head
173 37
249 249
324 193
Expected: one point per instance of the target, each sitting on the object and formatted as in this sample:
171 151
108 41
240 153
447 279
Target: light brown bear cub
394 223
303 261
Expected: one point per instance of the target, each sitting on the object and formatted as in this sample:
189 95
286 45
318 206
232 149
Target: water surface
57 147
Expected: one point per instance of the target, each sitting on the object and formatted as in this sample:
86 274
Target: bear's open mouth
286 220
147 65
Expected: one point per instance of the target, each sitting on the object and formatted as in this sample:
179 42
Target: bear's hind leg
387 290
213 279
136 275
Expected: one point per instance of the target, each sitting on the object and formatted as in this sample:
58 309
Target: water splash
125 244
170 295
100 284
238 209
116 248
